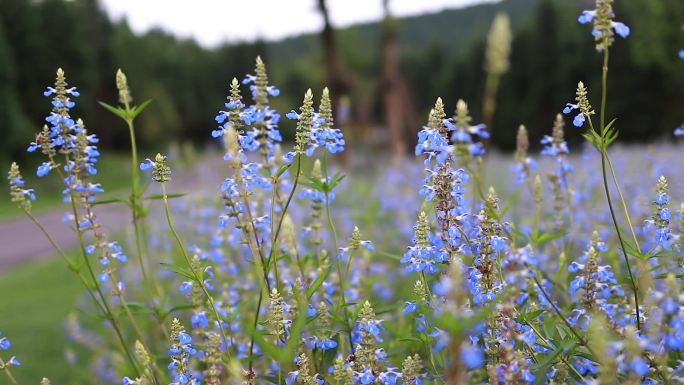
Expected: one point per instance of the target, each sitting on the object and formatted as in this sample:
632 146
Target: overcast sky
212 22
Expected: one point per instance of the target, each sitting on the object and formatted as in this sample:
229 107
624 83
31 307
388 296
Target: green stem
622 201
558 312
619 235
274 241
604 89
340 275
135 204
256 322
196 275
604 156
103 298
8 372
563 359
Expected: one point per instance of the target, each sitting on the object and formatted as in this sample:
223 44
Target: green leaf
109 201
134 308
176 308
541 238
161 196
334 181
317 282
180 271
282 170
135 111
118 111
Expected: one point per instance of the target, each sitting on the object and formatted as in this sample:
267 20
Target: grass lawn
113 172
34 302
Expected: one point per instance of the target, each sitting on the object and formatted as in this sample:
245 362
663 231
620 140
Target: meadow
458 265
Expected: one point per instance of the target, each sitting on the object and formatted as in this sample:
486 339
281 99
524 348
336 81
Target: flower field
458 265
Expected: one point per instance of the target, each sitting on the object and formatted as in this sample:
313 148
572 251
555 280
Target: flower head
160 170
605 27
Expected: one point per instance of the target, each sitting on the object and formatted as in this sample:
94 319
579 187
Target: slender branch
8 372
196 275
567 323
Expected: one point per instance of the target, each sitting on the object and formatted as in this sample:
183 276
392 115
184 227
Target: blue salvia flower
679 131
304 145
423 256
433 139
509 366
315 129
594 287
181 351
18 194
62 133
61 126
233 116
664 327
444 184
556 146
583 106
489 243
5 344
463 134
659 222
263 133
323 132
605 27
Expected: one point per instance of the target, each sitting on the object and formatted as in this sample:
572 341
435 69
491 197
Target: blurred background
385 60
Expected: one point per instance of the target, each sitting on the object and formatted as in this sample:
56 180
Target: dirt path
21 241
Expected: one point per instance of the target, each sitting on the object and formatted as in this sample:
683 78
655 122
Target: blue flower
639 366
199 320
472 356
586 16
43 169
13 362
5 343
291 378
679 131
146 165
327 344
409 307
579 119
620 28
366 377
184 338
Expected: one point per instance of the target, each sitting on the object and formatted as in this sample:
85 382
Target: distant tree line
439 55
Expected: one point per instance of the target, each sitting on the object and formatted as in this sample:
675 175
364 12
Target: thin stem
624 204
604 89
619 235
134 197
340 275
274 241
8 372
196 275
567 323
256 322
563 359
604 156
103 298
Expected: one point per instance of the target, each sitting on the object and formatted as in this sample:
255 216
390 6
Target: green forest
440 54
